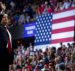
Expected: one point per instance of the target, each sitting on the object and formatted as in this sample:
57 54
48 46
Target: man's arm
3 42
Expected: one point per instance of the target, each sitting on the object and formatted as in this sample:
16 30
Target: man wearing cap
6 52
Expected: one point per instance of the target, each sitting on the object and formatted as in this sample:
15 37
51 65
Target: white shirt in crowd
73 3
66 5
21 19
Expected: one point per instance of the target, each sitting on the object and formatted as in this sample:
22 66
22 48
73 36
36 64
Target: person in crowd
66 4
61 6
21 18
73 3
41 9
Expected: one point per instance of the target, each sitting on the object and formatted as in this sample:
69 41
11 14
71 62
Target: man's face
5 20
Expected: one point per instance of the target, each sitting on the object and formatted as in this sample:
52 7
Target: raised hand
2 7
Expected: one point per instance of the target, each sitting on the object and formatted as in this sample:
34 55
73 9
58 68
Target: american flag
51 29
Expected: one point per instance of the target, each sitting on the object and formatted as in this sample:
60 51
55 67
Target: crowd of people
52 59
25 11
65 5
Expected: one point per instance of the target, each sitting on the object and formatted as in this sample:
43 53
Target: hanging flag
51 29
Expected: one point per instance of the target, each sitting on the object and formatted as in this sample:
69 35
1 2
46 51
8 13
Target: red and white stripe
63 26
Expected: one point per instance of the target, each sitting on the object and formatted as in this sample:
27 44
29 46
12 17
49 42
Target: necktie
9 42
9 46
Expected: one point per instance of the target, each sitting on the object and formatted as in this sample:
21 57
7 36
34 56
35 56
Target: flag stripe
63 35
63 30
64 14
63 40
57 21
63 25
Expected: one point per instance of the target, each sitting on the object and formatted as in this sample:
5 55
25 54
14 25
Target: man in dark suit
6 51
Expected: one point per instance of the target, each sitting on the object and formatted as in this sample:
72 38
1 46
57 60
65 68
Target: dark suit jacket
6 58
